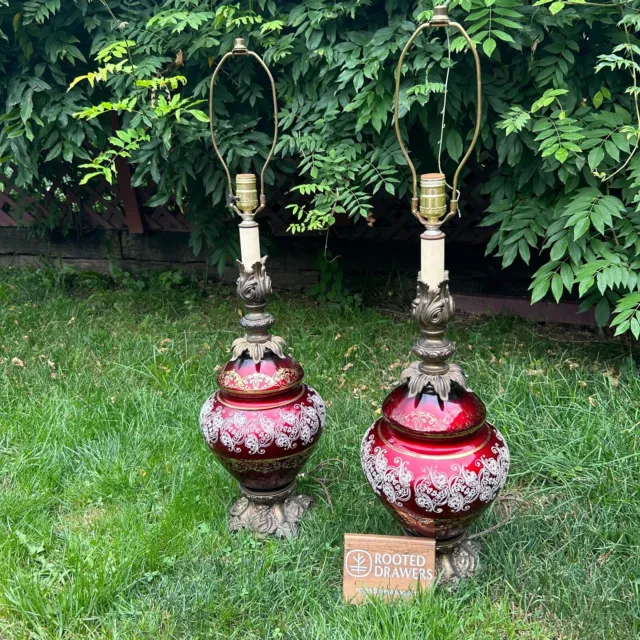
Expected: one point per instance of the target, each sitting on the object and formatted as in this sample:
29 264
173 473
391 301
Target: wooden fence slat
6 220
127 192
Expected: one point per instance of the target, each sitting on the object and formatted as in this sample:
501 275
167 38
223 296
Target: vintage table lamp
432 458
263 423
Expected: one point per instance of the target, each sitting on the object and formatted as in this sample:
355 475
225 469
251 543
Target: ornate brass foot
456 559
275 514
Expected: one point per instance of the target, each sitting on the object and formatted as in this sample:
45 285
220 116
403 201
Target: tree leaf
556 7
581 228
199 115
622 327
557 286
454 144
596 156
56 150
612 150
540 290
314 39
503 35
566 273
524 250
489 46
598 99
559 248
602 312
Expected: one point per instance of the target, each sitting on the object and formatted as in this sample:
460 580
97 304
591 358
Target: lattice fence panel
99 205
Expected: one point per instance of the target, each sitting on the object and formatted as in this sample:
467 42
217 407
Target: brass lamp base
456 559
276 513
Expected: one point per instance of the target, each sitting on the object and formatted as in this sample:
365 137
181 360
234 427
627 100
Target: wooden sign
386 566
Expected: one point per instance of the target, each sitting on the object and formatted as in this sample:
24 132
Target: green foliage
330 290
170 279
123 143
55 276
490 21
568 179
561 118
125 279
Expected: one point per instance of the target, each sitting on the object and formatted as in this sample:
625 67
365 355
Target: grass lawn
112 511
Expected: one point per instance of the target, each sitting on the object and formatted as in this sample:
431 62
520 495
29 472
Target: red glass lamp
263 423
432 458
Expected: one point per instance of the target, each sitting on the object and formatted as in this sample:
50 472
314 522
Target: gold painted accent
254 394
227 377
258 408
440 19
292 378
247 463
428 419
434 435
450 456
246 192
441 529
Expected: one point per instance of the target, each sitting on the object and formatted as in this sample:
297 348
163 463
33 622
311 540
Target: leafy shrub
561 121
330 290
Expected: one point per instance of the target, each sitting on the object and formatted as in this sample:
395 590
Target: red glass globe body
436 465
263 423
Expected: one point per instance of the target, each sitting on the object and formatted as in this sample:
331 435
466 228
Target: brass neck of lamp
433 199
254 284
246 195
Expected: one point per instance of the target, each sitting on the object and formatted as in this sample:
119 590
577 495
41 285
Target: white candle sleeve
249 243
432 260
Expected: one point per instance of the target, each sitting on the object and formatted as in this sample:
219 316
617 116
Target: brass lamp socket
433 198
246 192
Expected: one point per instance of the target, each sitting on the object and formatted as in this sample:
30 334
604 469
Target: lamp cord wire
442 125
444 106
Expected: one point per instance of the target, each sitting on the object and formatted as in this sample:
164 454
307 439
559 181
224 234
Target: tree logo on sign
358 563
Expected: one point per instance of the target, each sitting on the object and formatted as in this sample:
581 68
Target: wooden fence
119 210
60 202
